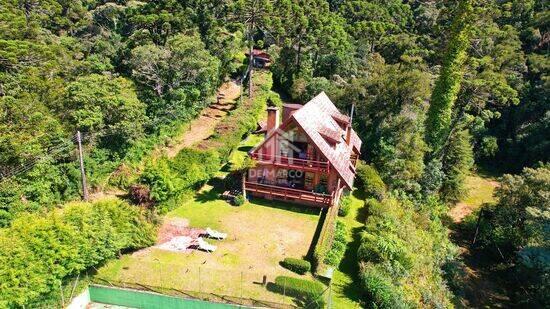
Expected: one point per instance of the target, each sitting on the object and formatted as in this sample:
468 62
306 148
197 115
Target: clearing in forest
480 191
260 234
482 285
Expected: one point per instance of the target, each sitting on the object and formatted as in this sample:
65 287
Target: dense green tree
182 62
447 86
101 103
391 105
518 225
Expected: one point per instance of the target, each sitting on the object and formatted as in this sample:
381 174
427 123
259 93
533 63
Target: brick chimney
272 119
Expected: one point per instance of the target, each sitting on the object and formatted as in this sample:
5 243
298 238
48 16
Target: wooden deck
292 163
290 194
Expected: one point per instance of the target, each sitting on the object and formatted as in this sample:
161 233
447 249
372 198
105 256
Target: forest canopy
439 88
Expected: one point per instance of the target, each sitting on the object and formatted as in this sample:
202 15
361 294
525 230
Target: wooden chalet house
310 158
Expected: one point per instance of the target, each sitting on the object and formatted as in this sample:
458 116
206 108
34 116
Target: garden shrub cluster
168 179
239 200
345 205
298 266
370 182
308 291
37 253
402 251
338 247
379 289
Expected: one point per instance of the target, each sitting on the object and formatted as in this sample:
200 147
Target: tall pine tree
438 121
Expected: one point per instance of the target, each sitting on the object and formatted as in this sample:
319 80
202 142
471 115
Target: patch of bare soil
460 211
176 227
203 127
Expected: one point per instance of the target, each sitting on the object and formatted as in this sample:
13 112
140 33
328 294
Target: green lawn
346 293
260 234
480 190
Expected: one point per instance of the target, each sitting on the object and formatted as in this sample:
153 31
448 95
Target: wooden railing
320 199
291 162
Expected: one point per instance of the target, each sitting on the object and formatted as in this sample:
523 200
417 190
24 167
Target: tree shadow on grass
245 148
300 302
207 196
350 266
285 206
316 235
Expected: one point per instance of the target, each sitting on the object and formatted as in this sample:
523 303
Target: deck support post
243 179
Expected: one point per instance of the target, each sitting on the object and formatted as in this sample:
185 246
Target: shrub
378 290
38 252
370 181
306 290
141 195
298 266
161 179
339 243
169 179
406 246
239 200
345 205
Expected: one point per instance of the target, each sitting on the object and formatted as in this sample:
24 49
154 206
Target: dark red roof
258 53
317 120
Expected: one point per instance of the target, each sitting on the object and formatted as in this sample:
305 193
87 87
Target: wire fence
245 288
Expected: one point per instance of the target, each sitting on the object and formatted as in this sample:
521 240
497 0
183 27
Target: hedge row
37 253
298 266
370 182
345 205
324 243
308 291
338 248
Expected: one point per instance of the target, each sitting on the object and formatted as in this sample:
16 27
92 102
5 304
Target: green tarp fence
146 300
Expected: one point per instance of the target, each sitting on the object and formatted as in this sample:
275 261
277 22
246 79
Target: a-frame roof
318 119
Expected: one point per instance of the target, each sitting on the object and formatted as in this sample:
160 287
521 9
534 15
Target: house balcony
269 191
292 163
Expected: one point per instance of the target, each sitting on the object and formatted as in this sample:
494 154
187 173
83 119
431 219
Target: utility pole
251 55
82 172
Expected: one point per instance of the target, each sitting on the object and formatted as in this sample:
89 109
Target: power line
51 152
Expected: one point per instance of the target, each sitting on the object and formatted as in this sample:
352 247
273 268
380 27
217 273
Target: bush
298 266
306 290
141 195
336 253
169 179
378 290
345 205
239 200
370 181
406 246
37 253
